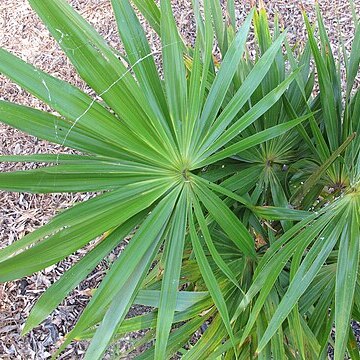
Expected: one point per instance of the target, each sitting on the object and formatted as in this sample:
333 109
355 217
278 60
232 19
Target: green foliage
239 187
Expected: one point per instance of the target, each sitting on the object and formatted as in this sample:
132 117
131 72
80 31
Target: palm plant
313 266
221 173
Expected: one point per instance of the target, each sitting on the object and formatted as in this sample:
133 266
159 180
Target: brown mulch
22 33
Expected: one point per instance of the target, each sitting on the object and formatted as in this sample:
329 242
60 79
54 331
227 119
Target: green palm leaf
238 187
